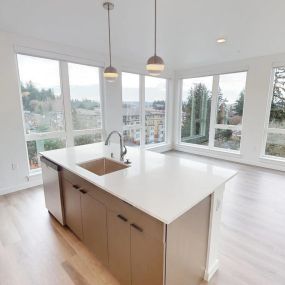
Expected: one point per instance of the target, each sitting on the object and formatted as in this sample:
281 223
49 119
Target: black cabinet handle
82 191
122 218
76 187
137 227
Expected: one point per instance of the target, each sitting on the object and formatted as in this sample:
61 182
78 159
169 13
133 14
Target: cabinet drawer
138 220
92 190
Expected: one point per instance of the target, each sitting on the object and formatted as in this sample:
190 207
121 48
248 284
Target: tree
36 100
198 93
238 107
278 100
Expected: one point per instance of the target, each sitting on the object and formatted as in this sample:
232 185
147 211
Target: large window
144 109
131 108
196 110
85 103
275 140
212 109
155 101
47 109
230 101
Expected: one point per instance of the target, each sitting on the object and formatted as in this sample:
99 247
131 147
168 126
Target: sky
231 85
84 80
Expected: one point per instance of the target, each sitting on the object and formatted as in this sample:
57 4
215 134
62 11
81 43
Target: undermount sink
102 166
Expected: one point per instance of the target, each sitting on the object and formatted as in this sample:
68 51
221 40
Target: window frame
142 111
68 134
213 116
267 129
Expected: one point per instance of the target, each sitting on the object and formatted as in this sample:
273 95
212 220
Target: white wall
255 108
14 169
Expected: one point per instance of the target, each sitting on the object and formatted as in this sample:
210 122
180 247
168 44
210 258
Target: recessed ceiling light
221 40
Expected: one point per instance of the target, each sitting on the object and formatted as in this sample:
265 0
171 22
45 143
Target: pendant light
155 64
110 72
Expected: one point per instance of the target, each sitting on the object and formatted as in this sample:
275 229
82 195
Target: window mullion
214 103
66 102
142 110
102 102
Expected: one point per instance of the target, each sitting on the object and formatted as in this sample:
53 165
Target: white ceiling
187 29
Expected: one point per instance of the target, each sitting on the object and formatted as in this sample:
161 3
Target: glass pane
275 145
132 136
231 98
34 147
228 139
85 96
196 110
277 112
87 139
155 98
131 99
41 94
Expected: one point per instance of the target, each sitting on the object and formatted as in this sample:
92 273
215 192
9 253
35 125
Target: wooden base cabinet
72 207
87 218
137 248
147 259
119 240
94 225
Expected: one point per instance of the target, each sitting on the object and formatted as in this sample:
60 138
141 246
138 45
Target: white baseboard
32 183
160 148
261 162
209 273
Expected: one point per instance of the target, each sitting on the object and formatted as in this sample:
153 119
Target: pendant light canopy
110 72
155 64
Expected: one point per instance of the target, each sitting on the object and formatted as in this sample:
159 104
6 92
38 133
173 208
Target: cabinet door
147 258
72 207
119 247
94 223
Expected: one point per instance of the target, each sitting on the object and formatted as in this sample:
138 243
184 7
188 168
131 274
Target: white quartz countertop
164 187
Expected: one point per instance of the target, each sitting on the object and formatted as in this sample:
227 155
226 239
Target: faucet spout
123 149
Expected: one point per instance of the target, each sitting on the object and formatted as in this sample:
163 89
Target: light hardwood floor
35 249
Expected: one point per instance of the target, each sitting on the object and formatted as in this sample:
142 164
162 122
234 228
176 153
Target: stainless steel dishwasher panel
52 189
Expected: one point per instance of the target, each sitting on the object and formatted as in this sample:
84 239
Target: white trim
270 158
44 136
228 127
212 264
263 162
166 112
267 115
22 110
142 109
102 102
32 181
38 52
276 131
86 132
159 147
214 105
65 90
178 111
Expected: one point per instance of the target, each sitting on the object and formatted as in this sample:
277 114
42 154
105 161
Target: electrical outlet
14 166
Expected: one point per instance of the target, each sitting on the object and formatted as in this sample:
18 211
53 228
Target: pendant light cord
110 54
155 27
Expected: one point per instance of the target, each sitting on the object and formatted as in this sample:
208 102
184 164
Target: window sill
272 159
35 172
160 147
205 150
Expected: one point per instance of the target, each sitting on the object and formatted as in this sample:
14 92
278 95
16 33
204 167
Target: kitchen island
155 221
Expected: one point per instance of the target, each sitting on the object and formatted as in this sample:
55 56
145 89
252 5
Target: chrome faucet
123 149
